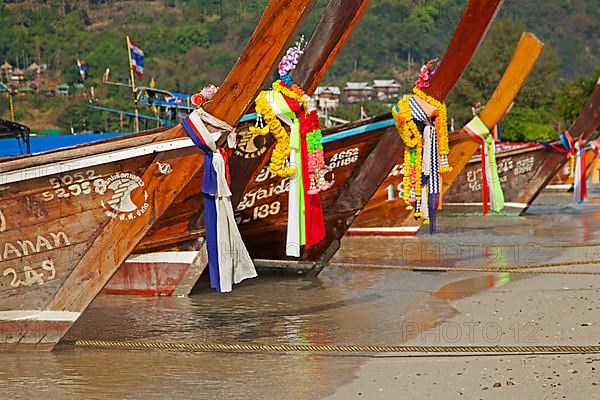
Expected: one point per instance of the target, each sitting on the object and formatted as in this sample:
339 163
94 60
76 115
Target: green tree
573 97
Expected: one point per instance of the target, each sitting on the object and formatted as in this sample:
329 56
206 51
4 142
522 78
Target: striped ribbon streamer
431 167
228 258
490 181
566 141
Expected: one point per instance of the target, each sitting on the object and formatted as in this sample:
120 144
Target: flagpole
11 105
136 125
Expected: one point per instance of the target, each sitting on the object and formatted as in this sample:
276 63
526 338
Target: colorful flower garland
293 92
412 137
290 90
281 152
206 94
316 159
441 127
298 155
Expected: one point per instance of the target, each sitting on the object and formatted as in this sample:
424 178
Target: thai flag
363 113
228 258
137 58
83 69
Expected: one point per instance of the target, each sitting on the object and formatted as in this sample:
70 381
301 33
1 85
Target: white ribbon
235 263
292 248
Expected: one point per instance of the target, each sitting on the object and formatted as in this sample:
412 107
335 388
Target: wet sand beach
375 304
535 311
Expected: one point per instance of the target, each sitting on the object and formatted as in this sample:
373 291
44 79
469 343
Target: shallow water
362 306
342 307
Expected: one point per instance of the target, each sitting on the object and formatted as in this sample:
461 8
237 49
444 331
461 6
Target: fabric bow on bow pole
567 143
228 258
490 180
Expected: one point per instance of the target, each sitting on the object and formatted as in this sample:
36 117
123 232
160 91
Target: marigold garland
309 124
405 124
293 92
441 127
413 140
279 158
281 151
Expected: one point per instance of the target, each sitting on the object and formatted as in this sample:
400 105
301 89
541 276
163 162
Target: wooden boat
171 257
361 154
69 219
524 171
386 213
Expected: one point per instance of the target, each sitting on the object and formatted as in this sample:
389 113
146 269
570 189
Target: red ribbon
315 223
313 210
484 182
225 155
583 181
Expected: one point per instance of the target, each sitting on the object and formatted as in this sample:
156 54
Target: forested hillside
191 43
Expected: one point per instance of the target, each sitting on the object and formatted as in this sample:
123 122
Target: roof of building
329 89
385 83
357 86
6 66
33 66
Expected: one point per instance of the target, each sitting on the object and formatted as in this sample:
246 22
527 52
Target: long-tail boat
172 256
524 171
69 219
386 213
360 155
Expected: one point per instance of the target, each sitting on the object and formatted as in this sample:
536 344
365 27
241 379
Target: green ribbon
497 195
295 144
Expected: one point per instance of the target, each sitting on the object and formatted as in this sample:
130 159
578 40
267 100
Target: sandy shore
540 310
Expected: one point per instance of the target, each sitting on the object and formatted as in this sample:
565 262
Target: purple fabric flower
290 60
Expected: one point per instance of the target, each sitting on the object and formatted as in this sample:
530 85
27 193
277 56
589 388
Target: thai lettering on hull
2 222
31 272
253 207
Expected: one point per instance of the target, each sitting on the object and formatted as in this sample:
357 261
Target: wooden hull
69 219
361 187
158 274
532 168
386 213
183 223
51 224
263 212
521 171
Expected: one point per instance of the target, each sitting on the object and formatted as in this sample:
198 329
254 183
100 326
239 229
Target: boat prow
69 219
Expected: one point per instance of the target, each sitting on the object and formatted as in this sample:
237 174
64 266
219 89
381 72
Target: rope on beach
549 245
293 348
513 269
